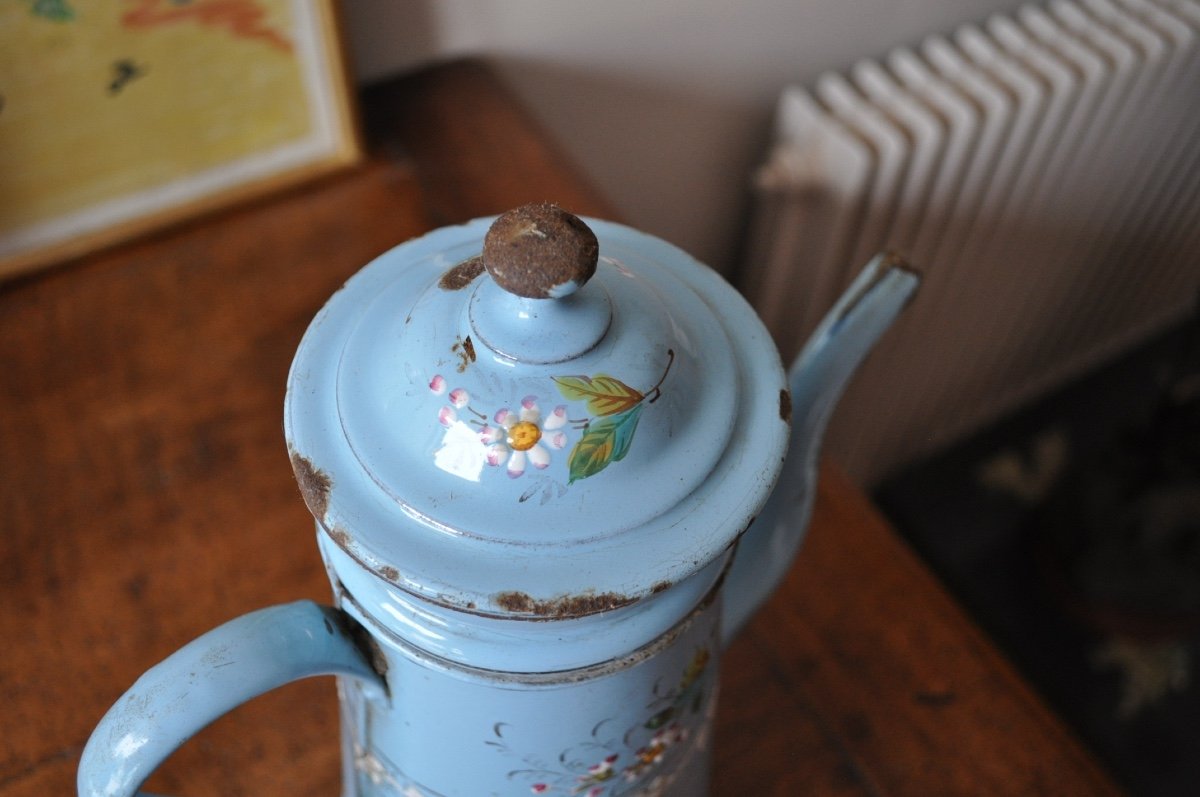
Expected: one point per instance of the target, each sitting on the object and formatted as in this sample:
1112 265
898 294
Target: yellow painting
122 115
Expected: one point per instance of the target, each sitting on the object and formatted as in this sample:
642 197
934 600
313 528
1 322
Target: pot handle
210 676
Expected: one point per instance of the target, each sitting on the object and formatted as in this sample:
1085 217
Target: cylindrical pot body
638 722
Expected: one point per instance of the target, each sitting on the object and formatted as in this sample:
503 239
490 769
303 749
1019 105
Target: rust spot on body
785 406
465 350
565 607
661 586
365 643
461 275
314 483
340 536
390 573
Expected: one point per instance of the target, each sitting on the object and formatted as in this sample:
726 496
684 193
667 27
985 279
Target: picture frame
120 118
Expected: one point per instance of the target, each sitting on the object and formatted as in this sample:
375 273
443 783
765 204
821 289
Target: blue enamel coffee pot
549 467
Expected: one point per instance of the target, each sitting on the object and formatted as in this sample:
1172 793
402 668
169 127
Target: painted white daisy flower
521 437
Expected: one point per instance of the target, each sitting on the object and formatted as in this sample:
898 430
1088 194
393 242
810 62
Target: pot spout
816 380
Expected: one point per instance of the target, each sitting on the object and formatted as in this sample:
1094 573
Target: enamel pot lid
521 407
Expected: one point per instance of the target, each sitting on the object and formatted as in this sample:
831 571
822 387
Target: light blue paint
817 378
545 630
209 677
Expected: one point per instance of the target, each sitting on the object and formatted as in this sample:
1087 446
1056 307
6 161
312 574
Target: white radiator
1041 169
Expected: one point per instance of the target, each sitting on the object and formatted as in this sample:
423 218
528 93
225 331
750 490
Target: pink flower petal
516 464
529 409
556 419
490 434
496 453
502 415
539 456
556 440
437 385
604 767
447 416
540 788
459 397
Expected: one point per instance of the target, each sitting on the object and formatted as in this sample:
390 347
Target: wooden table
145 496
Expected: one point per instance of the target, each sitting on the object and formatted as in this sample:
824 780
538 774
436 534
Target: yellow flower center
524 435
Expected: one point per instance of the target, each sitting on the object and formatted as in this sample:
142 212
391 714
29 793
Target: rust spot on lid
340 536
390 573
785 406
461 275
465 350
661 586
562 608
537 250
314 483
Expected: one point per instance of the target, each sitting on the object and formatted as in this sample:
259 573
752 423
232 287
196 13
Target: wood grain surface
146 496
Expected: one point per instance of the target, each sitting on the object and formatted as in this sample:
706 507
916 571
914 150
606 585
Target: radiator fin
1042 169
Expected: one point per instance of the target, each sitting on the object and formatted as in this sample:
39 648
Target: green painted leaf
605 441
605 395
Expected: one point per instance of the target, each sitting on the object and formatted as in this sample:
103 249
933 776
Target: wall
665 104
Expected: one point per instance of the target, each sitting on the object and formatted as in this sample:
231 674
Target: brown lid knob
540 251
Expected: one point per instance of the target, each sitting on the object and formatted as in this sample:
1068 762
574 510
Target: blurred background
667 106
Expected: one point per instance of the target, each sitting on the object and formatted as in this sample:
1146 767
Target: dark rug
1071 532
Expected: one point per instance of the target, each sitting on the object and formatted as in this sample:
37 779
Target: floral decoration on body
625 767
